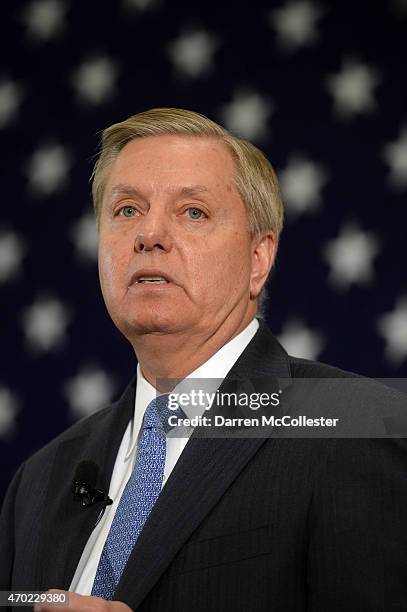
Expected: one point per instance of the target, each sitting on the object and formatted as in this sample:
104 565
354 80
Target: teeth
152 279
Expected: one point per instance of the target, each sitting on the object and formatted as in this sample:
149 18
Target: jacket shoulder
347 388
305 368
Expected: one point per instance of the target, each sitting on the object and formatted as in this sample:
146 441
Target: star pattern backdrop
320 86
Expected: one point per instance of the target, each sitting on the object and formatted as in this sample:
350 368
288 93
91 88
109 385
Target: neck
176 355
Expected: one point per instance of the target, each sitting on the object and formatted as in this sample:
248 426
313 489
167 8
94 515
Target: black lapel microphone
84 486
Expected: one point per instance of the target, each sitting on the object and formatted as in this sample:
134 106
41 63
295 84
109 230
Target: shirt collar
215 368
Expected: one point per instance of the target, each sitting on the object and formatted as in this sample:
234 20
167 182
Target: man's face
175 251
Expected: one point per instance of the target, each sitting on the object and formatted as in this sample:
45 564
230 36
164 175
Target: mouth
151 280
151 277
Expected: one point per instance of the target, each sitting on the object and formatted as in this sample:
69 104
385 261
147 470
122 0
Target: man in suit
189 220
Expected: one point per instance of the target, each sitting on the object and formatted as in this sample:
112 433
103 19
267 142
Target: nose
153 232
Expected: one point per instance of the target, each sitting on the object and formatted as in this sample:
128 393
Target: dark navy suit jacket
242 524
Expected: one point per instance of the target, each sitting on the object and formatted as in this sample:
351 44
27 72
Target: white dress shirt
215 368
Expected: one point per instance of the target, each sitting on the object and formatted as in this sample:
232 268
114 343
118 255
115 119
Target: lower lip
151 286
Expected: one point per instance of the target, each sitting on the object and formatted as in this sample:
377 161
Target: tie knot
158 412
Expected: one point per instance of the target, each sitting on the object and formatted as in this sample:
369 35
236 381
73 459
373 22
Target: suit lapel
205 470
66 521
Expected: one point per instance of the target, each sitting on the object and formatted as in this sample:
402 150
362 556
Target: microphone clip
88 495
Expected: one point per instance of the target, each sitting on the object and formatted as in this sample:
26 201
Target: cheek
233 259
225 269
111 268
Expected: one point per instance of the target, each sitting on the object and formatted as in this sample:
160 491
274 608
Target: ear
264 249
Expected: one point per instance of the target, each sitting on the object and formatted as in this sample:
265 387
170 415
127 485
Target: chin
150 323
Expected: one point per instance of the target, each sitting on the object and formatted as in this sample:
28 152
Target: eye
195 213
128 211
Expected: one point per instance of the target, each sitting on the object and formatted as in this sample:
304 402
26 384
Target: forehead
171 157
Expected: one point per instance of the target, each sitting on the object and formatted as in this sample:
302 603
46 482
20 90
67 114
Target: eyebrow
194 190
122 189
129 190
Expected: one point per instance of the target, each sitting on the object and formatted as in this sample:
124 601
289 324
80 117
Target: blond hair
255 178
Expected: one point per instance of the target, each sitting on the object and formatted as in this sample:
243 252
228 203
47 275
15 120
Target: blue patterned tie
138 499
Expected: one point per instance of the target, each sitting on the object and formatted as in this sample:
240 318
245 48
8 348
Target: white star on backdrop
90 390
350 257
11 95
48 169
296 24
393 327
44 19
300 341
9 408
301 183
192 53
44 324
94 80
247 114
12 251
85 236
352 89
395 154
